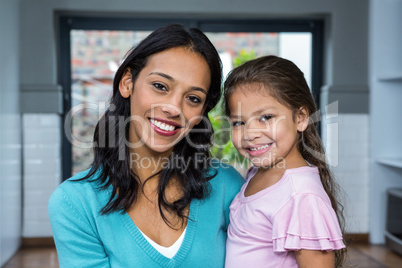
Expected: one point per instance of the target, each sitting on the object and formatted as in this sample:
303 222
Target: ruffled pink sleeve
306 222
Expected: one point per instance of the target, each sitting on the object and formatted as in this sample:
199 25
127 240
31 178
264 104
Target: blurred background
58 58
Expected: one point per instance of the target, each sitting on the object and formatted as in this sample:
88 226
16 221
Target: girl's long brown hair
283 80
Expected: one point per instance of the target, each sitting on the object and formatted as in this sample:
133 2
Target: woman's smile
165 127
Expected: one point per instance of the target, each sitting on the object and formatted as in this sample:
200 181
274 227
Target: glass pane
95 57
297 48
234 48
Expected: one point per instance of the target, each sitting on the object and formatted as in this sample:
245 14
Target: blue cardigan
85 238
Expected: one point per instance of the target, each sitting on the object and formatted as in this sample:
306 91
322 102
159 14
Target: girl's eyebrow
261 110
234 116
258 112
168 77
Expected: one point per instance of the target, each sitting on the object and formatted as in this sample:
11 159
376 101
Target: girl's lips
162 131
264 148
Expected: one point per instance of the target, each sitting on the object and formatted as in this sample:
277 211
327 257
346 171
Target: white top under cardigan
168 252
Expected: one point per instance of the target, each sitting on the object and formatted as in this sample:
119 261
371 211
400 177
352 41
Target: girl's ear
302 119
126 84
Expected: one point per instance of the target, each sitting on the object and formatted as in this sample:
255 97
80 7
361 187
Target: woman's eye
194 99
159 86
265 118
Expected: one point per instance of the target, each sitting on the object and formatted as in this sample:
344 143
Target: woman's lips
164 127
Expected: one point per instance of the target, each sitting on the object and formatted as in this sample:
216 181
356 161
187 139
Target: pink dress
267 227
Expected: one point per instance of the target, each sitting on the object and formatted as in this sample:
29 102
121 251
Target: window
91 49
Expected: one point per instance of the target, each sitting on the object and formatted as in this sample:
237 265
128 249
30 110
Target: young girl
286 214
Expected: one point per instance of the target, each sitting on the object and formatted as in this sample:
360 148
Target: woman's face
167 99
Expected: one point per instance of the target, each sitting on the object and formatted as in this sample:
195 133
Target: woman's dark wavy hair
284 81
111 164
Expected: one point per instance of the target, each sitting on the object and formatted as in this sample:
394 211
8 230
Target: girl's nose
252 131
252 134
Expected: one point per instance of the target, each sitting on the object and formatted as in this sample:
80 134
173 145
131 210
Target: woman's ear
126 84
302 119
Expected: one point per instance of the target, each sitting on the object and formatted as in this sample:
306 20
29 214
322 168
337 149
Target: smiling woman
167 98
152 197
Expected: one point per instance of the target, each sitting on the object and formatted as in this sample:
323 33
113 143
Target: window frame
72 22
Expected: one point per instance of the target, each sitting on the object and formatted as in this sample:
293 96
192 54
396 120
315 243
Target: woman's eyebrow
199 89
163 75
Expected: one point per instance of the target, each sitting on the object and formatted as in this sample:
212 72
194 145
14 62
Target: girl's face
264 130
167 99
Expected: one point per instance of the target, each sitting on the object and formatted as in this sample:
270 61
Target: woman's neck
145 163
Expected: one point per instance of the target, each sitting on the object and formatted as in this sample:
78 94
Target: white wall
10 131
347 146
346 49
385 109
42 171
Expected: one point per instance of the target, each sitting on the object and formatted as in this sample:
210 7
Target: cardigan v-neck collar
152 252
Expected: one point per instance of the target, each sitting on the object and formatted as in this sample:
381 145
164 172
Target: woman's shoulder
225 171
74 191
76 184
226 175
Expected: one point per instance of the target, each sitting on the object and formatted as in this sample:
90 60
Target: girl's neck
268 176
293 160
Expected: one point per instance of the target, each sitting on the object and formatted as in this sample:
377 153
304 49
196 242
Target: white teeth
259 148
162 126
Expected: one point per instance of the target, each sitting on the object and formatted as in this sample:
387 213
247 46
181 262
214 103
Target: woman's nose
172 107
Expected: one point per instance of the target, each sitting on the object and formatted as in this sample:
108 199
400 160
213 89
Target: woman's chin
161 147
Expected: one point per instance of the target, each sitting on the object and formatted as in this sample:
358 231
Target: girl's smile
259 149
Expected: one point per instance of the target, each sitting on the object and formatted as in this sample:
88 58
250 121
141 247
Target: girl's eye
266 117
237 123
194 99
159 86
